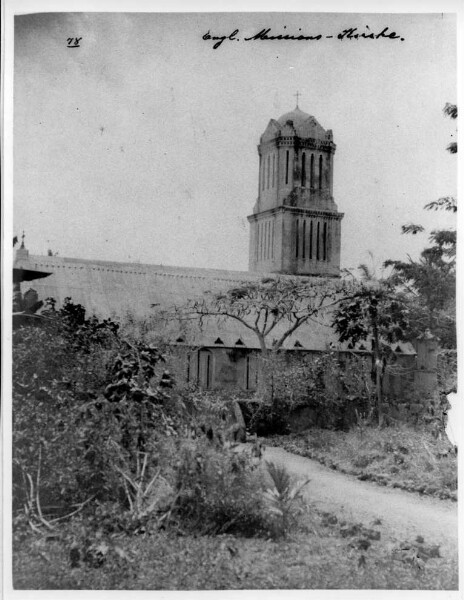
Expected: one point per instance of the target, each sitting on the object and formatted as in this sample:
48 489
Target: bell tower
295 225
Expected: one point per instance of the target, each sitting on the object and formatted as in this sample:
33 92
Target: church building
295 230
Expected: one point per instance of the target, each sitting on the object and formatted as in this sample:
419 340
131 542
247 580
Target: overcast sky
140 145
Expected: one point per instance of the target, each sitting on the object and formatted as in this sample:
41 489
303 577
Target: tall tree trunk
378 374
266 364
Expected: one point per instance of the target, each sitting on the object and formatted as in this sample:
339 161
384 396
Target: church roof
117 290
302 124
297 116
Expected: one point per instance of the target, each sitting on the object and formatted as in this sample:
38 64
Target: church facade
295 230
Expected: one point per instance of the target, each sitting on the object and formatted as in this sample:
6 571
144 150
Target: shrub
264 419
284 500
218 490
334 387
85 404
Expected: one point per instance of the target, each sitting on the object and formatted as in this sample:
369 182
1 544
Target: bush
337 393
284 500
264 419
85 404
219 490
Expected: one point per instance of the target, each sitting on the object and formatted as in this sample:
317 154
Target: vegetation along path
403 515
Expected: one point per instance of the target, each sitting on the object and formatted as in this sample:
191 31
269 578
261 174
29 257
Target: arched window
205 368
266 241
263 173
324 241
320 172
188 368
303 252
268 169
247 374
272 244
310 239
273 170
269 239
286 166
251 372
297 237
318 241
262 241
303 170
311 172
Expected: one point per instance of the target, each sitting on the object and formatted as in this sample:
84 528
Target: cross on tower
297 95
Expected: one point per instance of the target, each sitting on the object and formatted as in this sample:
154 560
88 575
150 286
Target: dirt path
403 515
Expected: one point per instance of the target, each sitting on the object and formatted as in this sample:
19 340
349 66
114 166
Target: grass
323 554
400 457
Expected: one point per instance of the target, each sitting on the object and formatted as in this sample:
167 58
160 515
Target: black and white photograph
232 318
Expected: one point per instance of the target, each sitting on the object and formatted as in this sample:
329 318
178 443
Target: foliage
85 403
262 306
70 322
272 309
105 446
430 282
326 555
378 312
372 310
265 419
330 384
218 490
284 499
397 456
451 110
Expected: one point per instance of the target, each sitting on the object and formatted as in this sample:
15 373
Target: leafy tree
378 312
430 281
273 309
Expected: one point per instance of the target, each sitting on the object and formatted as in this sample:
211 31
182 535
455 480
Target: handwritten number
75 40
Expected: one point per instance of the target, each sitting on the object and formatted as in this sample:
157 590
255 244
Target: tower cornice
295 141
303 212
